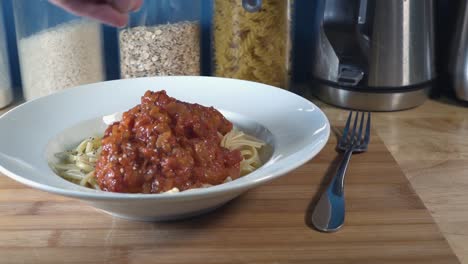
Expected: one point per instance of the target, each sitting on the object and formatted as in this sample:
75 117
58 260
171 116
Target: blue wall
301 57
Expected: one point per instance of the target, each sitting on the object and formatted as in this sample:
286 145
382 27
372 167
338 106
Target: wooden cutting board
386 223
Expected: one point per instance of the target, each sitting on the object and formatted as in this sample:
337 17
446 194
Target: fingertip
118 21
123 6
110 16
136 5
122 22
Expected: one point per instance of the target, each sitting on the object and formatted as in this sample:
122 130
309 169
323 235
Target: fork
329 212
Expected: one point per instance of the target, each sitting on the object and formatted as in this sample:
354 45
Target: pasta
248 147
161 145
78 165
252 45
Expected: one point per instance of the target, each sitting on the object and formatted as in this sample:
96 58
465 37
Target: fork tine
367 136
353 133
359 138
346 129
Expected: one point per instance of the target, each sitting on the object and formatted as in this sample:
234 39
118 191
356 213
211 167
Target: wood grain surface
386 223
430 144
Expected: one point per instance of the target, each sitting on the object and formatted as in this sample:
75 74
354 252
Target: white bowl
295 128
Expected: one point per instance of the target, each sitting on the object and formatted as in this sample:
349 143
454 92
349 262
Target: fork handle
329 212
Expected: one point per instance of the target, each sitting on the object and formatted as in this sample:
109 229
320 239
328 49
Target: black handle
341 22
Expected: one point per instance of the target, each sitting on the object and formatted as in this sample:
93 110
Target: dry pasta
252 46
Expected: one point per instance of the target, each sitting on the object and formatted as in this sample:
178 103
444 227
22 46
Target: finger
123 6
102 12
109 15
136 5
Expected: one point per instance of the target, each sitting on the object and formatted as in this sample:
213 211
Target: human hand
111 12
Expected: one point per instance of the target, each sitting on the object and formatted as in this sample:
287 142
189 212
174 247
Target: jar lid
252 5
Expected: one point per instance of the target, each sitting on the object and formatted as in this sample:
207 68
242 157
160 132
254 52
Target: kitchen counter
430 144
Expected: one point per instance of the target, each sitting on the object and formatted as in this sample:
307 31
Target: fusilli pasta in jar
252 43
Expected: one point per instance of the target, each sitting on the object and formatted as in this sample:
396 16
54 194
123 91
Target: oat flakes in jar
56 49
162 39
252 40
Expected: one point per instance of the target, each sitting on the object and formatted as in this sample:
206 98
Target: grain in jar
56 49
162 39
252 40
65 56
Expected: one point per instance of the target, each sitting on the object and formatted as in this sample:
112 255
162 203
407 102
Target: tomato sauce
164 143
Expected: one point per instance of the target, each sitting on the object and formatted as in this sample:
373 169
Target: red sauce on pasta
164 143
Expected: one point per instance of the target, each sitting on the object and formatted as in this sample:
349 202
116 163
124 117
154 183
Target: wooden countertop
430 144
386 222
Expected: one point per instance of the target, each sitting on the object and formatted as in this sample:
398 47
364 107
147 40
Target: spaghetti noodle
78 165
162 145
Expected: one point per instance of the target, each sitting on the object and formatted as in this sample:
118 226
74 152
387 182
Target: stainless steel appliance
374 55
459 60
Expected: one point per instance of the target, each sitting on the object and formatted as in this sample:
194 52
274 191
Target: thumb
123 6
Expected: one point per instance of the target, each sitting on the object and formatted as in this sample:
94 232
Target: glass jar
252 40
162 38
57 50
6 91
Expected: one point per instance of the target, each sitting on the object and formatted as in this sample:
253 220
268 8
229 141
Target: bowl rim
189 194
